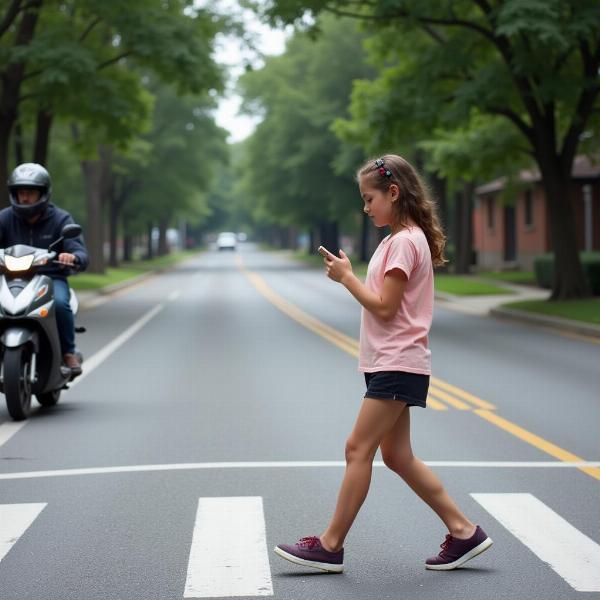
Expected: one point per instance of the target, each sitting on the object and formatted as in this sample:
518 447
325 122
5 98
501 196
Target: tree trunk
11 80
42 136
313 238
440 196
330 237
19 154
150 247
94 234
462 229
127 247
569 279
95 174
113 230
163 247
365 226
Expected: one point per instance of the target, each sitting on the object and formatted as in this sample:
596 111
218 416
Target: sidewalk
492 306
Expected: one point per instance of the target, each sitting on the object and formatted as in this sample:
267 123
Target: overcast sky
230 52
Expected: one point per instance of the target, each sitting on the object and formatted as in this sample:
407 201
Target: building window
528 209
490 206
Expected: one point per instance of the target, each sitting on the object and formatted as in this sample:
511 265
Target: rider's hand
67 259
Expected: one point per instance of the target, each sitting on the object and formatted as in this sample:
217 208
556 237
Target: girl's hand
338 268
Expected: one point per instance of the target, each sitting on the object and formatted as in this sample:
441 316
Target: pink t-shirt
400 344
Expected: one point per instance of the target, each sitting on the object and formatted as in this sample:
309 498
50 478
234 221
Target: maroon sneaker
456 552
308 552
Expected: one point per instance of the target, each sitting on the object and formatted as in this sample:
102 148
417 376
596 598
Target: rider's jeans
64 316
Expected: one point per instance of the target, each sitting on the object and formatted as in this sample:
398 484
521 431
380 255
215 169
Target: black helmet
30 175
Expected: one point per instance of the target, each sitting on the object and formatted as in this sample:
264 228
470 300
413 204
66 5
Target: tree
109 49
534 63
174 165
289 171
17 29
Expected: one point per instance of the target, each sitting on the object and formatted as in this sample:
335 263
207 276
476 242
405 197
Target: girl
397 300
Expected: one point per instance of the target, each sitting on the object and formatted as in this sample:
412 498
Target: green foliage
87 61
443 64
291 170
174 164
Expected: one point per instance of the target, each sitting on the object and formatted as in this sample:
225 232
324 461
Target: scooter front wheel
17 381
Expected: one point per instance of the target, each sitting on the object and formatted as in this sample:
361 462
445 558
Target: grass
522 277
587 310
465 286
95 281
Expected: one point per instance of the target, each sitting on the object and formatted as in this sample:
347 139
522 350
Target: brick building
512 235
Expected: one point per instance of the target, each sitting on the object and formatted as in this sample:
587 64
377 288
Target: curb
115 287
569 325
121 285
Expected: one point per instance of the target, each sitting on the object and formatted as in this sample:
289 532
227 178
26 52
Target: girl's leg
374 421
397 454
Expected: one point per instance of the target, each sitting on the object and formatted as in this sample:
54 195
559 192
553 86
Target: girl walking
397 301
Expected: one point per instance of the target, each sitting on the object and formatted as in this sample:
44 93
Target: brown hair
414 200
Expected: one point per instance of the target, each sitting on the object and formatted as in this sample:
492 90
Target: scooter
31 357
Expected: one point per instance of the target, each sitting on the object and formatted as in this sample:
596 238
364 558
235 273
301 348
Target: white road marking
97 359
280 465
229 550
7 430
174 295
14 521
572 554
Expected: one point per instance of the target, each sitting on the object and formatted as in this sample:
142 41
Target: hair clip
383 170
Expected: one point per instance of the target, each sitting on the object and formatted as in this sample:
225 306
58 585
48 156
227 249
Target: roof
583 168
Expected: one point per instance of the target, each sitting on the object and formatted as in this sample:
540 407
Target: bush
543 267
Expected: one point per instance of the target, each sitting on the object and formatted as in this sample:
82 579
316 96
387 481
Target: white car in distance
226 240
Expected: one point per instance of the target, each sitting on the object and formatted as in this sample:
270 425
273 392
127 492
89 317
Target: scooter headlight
22 263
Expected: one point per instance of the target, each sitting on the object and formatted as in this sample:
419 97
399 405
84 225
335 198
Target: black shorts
410 388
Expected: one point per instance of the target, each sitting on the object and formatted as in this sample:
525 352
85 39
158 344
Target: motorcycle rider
33 220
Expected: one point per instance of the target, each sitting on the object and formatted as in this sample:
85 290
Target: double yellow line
441 394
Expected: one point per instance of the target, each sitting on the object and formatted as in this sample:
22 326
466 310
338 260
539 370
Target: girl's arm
384 305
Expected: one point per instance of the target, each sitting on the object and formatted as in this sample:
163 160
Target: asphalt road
210 425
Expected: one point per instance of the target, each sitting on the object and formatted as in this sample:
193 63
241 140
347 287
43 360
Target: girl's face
379 206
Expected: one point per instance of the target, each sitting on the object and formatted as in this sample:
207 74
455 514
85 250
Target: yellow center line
435 404
439 387
462 394
535 440
451 400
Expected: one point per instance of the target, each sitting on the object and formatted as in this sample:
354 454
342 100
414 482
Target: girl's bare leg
397 454
375 419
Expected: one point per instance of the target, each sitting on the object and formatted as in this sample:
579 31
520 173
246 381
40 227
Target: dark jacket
15 230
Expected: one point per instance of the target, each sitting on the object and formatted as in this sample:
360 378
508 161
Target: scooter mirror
72 230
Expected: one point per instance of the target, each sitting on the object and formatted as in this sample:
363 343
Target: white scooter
31 357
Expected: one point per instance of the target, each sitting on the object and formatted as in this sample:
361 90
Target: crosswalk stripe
15 519
229 550
570 553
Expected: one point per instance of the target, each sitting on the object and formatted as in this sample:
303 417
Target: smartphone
323 251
